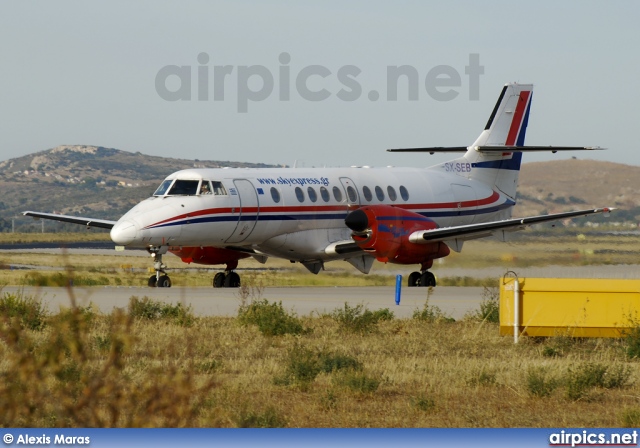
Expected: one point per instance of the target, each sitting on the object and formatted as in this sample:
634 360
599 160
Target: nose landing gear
160 279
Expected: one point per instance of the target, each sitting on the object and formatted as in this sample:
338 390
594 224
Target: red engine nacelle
383 231
209 255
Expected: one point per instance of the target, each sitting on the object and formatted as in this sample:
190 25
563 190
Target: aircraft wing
504 148
473 231
89 222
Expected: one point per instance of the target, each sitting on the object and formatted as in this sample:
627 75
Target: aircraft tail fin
505 129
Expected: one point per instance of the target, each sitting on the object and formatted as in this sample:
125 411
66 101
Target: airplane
359 214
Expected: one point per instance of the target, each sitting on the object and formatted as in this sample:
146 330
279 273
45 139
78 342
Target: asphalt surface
453 301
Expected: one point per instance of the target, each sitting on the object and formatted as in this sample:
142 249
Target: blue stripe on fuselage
332 216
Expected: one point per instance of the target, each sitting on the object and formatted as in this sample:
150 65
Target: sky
286 82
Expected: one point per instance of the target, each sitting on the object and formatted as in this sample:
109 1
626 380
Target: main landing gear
160 279
228 278
424 278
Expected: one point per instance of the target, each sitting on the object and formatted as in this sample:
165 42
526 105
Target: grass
131 268
143 367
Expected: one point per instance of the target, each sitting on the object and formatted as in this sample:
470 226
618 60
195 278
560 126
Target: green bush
331 362
303 364
632 340
28 311
423 403
490 306
148 309
270 318
539 383
266 419
358 319
582 378
357 381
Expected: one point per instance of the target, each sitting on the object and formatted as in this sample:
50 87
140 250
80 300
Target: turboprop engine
383 231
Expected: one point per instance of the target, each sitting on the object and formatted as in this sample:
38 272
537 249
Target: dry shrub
54 377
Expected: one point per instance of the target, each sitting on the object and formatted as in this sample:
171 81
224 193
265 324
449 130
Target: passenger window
351 193
162 189
218 188
404 193
379 194
184 188
300 194
205 187
367 193
337 194
313 196
275 195
325 194
392 193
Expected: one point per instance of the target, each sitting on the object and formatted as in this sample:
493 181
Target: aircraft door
249 210
465 198
351 190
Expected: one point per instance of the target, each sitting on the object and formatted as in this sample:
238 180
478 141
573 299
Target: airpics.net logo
253 83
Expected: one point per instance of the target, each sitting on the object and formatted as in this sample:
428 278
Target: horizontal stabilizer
473 231
554 149
89 222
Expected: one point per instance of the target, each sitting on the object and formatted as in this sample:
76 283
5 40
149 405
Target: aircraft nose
123 233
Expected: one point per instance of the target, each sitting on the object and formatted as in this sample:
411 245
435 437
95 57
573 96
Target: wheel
152 281
164 281
232 280
414 279
427 279
218 280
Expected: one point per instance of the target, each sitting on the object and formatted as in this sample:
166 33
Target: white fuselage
297 213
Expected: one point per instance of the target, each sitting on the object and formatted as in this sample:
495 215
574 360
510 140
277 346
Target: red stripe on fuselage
475 203
330 208
517 118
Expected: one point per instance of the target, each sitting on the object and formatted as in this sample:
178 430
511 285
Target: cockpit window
162 189
184 188
190 188
218 188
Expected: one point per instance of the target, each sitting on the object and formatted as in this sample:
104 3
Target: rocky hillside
86 180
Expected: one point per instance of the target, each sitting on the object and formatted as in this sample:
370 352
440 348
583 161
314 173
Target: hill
86 180
571 184
106 182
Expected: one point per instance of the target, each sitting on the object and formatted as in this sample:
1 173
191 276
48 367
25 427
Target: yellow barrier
569 306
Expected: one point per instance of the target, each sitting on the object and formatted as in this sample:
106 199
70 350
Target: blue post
398 288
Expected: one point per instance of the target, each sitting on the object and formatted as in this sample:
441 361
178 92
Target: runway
304 301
